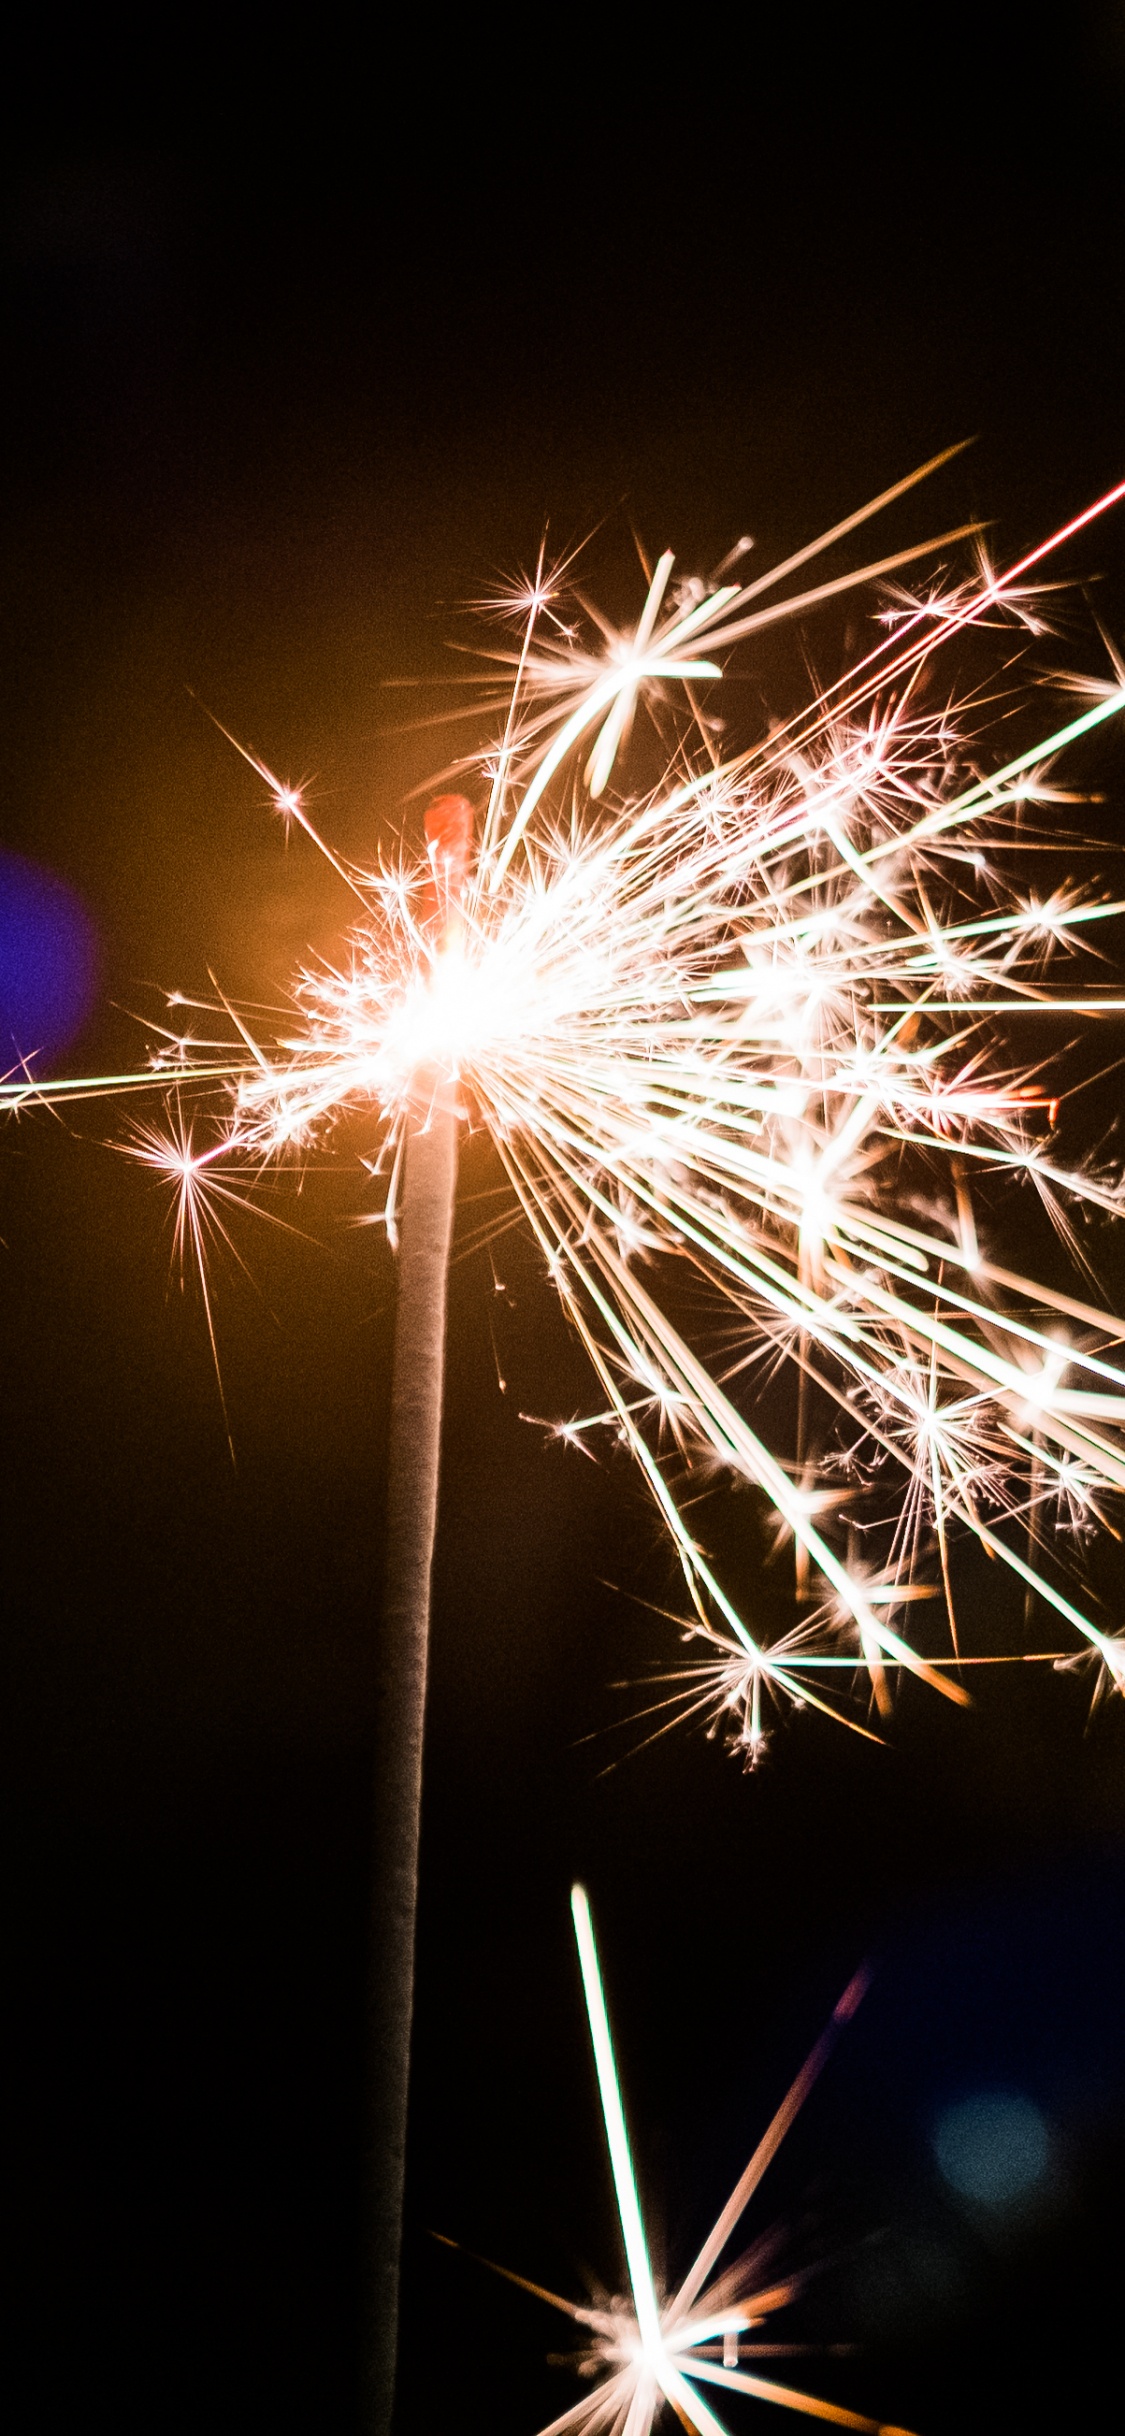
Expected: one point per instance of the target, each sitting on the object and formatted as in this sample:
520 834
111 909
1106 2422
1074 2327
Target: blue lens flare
48 963
994 2148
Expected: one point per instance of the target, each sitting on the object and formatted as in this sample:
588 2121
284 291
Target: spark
198 1196
746 1041
648 2349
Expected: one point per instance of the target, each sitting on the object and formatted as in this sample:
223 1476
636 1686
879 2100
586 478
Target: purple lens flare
48 963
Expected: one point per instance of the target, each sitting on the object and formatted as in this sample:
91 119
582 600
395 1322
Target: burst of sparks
743 1029
713 2331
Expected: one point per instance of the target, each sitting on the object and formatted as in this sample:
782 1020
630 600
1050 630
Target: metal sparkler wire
745 1030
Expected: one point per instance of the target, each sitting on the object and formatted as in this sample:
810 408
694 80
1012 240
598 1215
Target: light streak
647 2350
741 1042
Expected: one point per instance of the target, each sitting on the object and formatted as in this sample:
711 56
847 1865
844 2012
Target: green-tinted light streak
986 790
657 2362
613 2115
1027 925
1069 1356
750 1173
690 2405
729 1433
975 1362
557 1249
1027 1162
732 1439
98 1086
999 1006
956 1256
1044 1590
895 1650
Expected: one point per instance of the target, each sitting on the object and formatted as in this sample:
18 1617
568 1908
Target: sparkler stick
426 1230
412 1485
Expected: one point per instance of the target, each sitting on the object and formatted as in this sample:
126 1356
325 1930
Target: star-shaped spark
733 1039
645 2351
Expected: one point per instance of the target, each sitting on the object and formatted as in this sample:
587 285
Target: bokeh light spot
994 2148
48 962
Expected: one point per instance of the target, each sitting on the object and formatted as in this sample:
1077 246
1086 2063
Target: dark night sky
302 348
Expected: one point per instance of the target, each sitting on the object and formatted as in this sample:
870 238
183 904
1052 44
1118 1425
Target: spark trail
715 2330
748 1043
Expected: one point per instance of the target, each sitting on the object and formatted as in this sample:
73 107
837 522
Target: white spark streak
647 2350
744 1034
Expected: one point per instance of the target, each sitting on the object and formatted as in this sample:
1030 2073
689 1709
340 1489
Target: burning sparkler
745 1028
748 1029
645 2351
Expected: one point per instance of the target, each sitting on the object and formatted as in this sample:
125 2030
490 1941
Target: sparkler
412 1494
736 1028
645 2351
746 1029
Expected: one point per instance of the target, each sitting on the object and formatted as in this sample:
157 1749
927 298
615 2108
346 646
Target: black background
306 338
